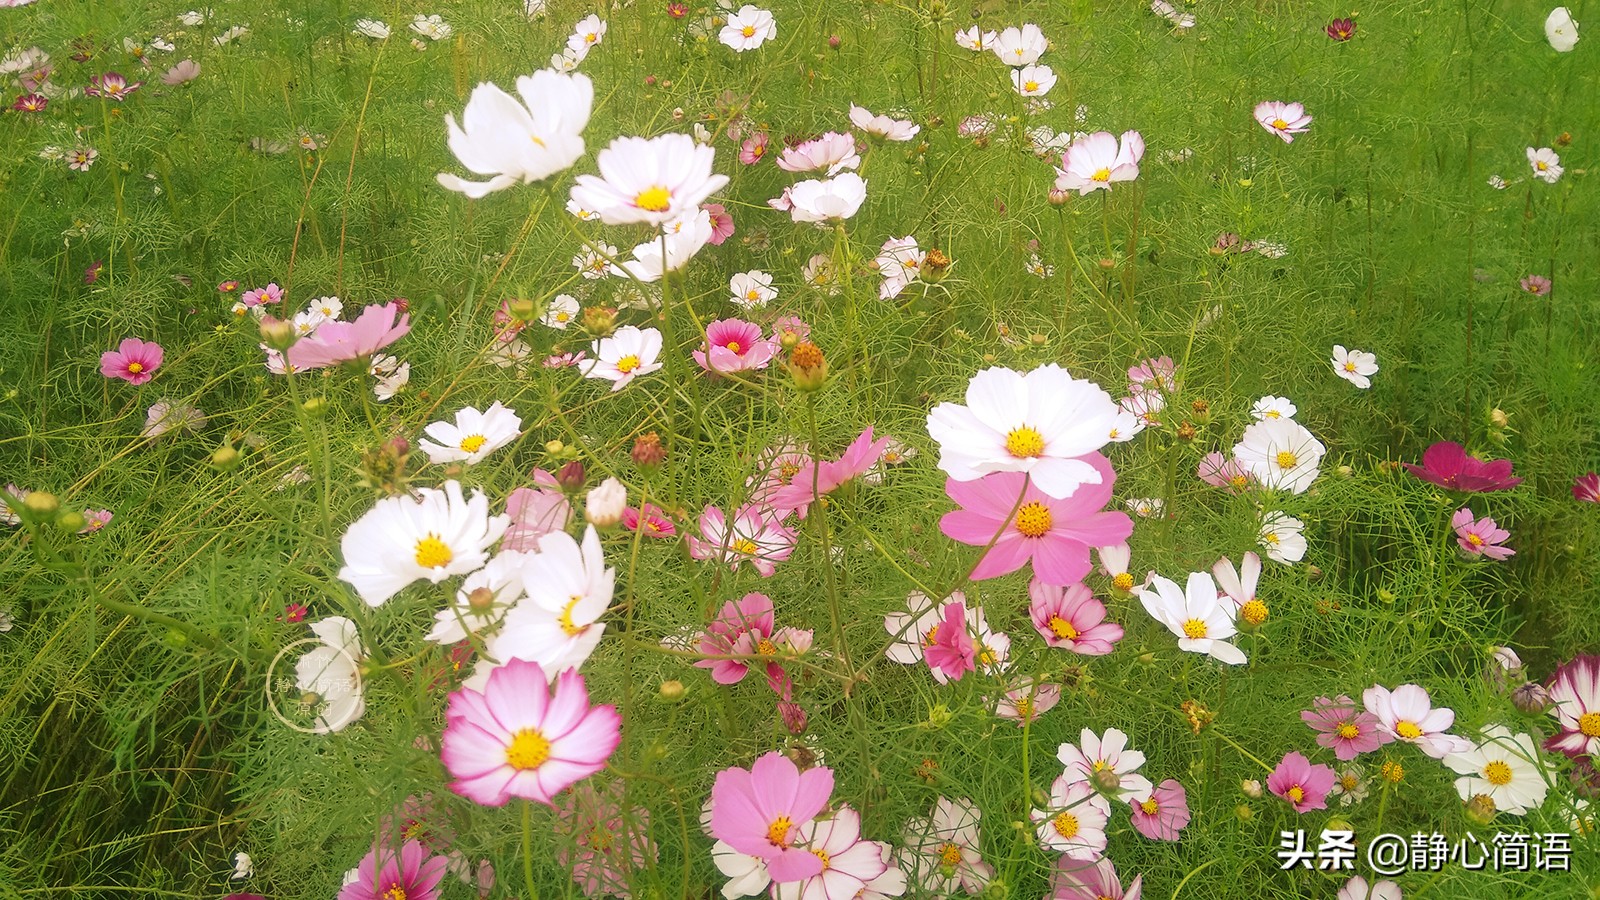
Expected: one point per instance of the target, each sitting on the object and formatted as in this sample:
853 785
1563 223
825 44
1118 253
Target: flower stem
527 849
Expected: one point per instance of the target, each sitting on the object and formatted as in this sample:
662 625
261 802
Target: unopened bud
315 407
1107 263
554 448
647 451
1187 431
808 367
600 321
571 476
1481 809
1244 812
671 690
1059 197
1564 139
41 504
1202 410
225 458
71 521
276 333
834 41
1386 596
481 600
1251 788
1106 780
1498 418
1531 697
604 504
939 716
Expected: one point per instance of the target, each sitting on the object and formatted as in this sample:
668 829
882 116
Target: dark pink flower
655 521
750 615
603 844
1481 537
1448 465
295 613
953 650
721 223
1341 29
1575 704
134 361
227 287
111 86
1343 728
92 274
816 479
1302 785
384 876
753 148
1071 618
1163 814
759 812
734 345
31 103
1537 285
1587 488
1054 535
336 342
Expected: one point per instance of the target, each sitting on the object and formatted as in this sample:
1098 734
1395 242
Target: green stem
527 849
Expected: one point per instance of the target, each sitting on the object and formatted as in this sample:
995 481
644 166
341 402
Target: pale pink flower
1283 119
942 849
263 295
1224 472
605 844
1075 823
915 629
1106 763
1481 537
848 862
1575 704
1407 714
755 536
1537 285
1343 728
1071 618
833 151
721 223
187 70
1027 701
753 148
882 126
1077 880
1096 161
535 512
1163 814
816 479
760 811
384 874
1358 889
336 342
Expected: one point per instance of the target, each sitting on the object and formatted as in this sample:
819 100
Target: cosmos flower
883 126
1075 822
1019 47
524 140
733 345
1357 889
914 630
384 874
473 435
1546 164
755 536
521 736
852 864
1480 537
816 478
951 651
1095 161
1071 618
838 197
1027 700
1447 464
1076 880
1283 119
680 239
1344 728
167 416
1504 767
1282 537
1586 488
941 849
1033 80
1341 29
1537 285
481 601
650 180
332 672
759 811
605 841
900 263
587 34
976 39
1575 704
1193 613
337 342
1163 814
1407 714
753 148
433 535
111 86
1280 454
1106 763
1560 30
1270 407
627 354
1354 366
1302 785
134 361
748 29
833 151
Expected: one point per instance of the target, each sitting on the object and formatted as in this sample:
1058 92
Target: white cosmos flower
1282 537
1169 12
332 672
882 126
243 866
900 263
1033 81
1270 407
1281 454
1407 714
682 238
1020 46
1075 823
583 215
568 59
592 263
520 141
586 35
975 39
434 28
437 534
752 289
568 589
818 272
624 356
563 309
1093 755
833 198
1283 119
481 601
372 28
1506 767
748 29
1193 613
1037 423
653 180
1560 30
747 875
391 375
473 436
1354 366
1093 162
1546 164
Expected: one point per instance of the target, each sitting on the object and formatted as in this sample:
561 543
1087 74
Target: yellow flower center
566 618
1286 459
1349 781
1024 708
1274 414
778 831
1024 443
766 647
987 656
749 31
734 346
1407 729
600 839
1497 773
1030 86
628 363
1589 724
1063 629
528 750
1239 482
653 199
590 38
563 317
135 368
472 442
1065 824
1254 612
1541 165
1349 366
788 470
1297 794
1101 175
752 295
433 552
1034 519
1474 540
1348 731
395 892
745 546
1149 806
1194 628
1270 537
949 854
929 636
1392 771
1279 124
1122 581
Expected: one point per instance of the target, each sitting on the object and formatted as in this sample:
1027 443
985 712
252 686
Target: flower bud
671 690
554 448
480 600
808 367
1106 780
604 505
41 504
315 407
225 458
1251 788
1244 812
939 716
794 717
599 321
1481 809
571 476
1498 418
834 41
935 265
1531 697
1059 197
71 521
277 334
647 451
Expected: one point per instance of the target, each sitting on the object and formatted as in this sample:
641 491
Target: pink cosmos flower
721 223
833 151
751 615
258 296
1407 714
760 811
1481 537
535 512
952 650
790 328
849 863
134 361
1055 535
31 103
1283 119
1302 785
111 86
1224 472
777 467
755 535
1076 880
1537 285
1163 814
1343 728
655 521
753 148
815 479
1155 374
1448 465
603 844
95 519
187 70
382 875
1071 618
1358 889
734 345
564 360
517 739
1575 703
227 287
1027 701
336 342
1586 488
913 631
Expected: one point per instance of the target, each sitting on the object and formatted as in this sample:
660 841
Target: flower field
1082 451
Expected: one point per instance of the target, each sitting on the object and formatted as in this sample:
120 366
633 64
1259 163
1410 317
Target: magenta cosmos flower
1302 785
1448 465
952 651
1481 537
256 296
1341 29
518 739
1586 488
815 479
1343 728
382 875
1055 535
1537 285
1162 815
134 361
1075 879
336 342
744 628
651 519
759 812
1575 702
1283 119
1071 618
734 345
721 223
